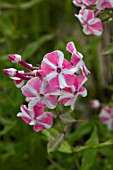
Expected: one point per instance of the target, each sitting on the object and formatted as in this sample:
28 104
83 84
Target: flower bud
95 104
15 58
11 72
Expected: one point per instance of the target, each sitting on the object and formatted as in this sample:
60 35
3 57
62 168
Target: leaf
67 119
34 46
65 148
80 132
51 133
55 143
108 50
23 6
7 26
89 155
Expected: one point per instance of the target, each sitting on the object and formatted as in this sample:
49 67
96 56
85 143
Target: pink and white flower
102 4
106 117
76 59
90 23
69 95
39 93
36 116
57 70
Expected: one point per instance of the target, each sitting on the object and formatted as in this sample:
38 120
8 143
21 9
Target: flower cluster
55 80
88 17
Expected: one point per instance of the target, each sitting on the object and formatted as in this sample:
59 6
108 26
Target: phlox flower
77 59
36 116
90 23
69 95
102 4
38 92
57 70
106 117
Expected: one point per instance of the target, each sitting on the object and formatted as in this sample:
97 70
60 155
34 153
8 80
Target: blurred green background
33 28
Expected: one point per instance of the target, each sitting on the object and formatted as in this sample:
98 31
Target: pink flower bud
95 104
15 58
11 72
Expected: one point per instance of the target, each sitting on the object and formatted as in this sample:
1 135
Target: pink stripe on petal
38 111
24 109
35 83
107 110
54 82
71 47
75 59
46 69
90 15
26 120
104 119
69 79
63 101
66 64
53 57
38 127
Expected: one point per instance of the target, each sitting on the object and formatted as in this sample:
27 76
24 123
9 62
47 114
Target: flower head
36 116
90 23
57 70
38 92
69 95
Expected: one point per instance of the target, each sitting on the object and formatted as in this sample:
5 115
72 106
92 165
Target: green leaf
67 119
89 155
6 26
65 148
23 6
34 46
80 132
51 133
55 143
108 50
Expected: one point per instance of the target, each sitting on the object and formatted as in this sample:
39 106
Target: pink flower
106 117
69 95
76 59
39 93
95 103
36 116
102 4
90 23
57 70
